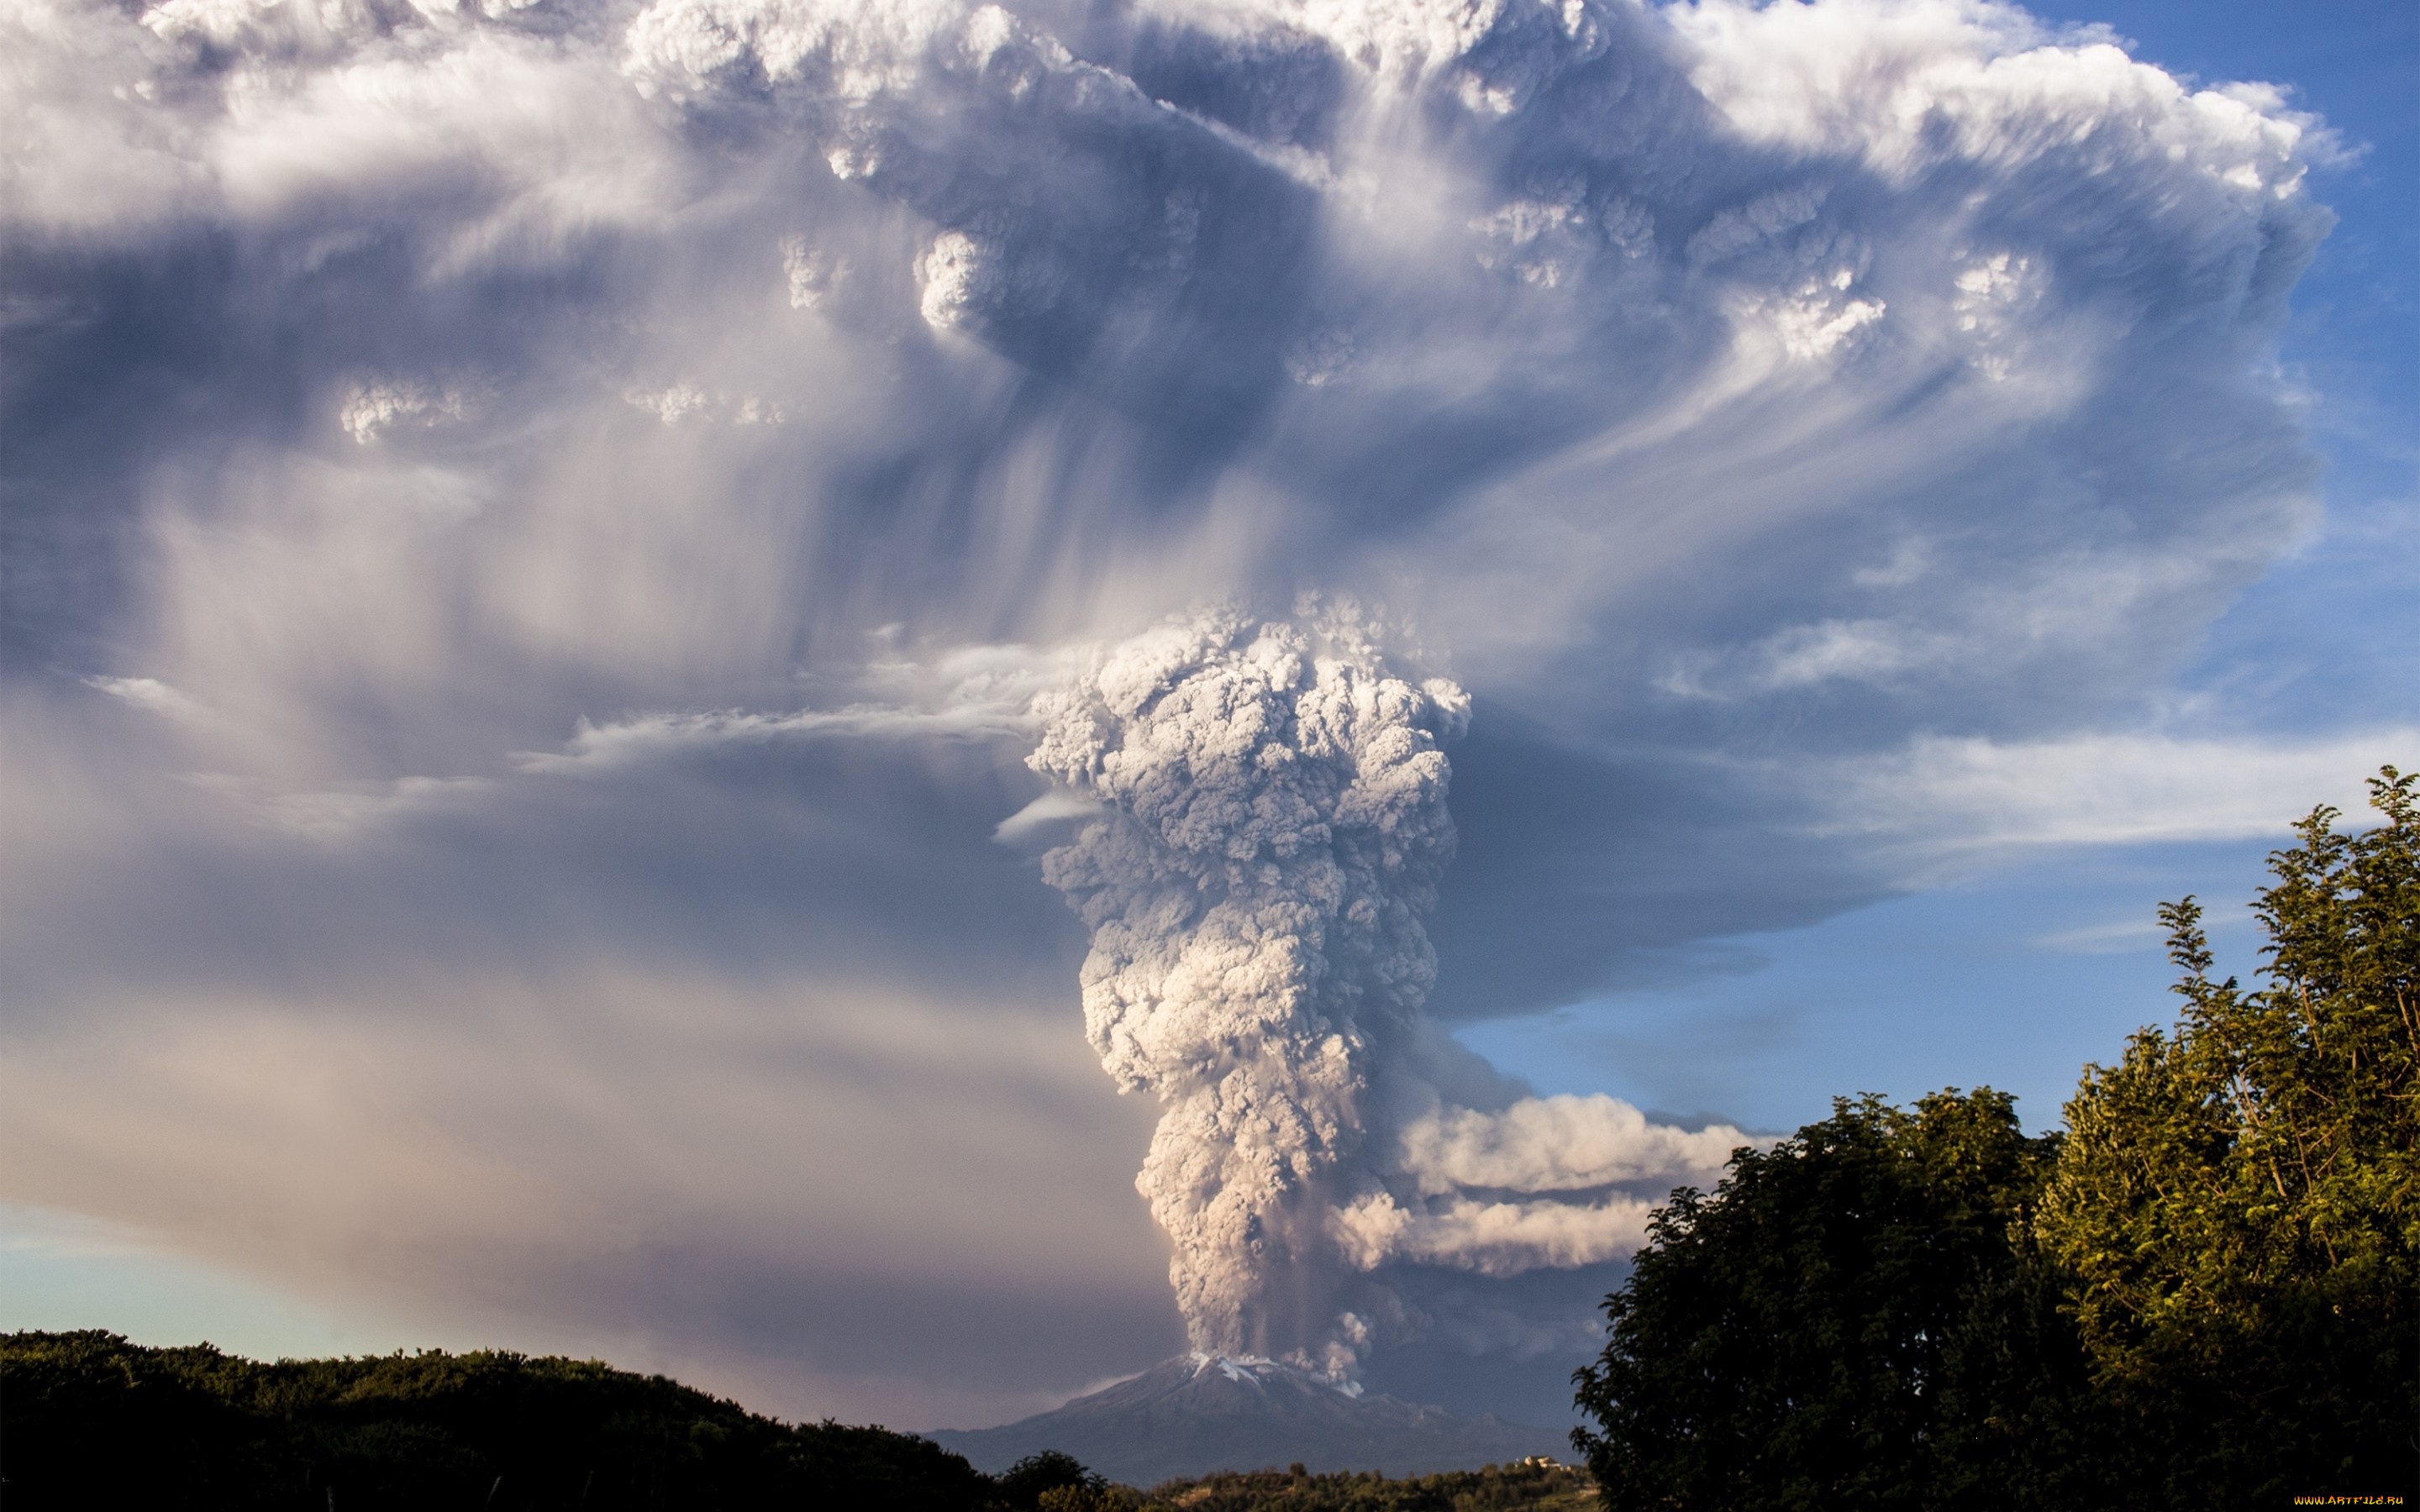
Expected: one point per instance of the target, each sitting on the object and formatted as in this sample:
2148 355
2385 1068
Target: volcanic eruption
1267 830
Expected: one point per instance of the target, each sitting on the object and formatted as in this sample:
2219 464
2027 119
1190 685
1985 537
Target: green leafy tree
1039 1476
2201 1294
1102 1498
2238 1199
1852 1319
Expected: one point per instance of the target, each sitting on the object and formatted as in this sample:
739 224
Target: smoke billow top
1271 832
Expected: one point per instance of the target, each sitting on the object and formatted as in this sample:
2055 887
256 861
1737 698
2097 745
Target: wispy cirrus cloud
2114 788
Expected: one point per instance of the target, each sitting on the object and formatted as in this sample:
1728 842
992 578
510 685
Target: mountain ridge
1196 1413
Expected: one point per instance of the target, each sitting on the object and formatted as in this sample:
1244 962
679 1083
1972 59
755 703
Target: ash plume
1270 833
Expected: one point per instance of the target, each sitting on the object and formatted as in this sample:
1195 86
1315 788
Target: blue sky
2012 979
540 546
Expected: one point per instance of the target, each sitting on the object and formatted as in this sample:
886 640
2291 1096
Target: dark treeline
2199 1294
1534 1487
89 1420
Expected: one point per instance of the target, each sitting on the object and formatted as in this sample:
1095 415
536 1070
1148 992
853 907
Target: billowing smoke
1271 831
1274 828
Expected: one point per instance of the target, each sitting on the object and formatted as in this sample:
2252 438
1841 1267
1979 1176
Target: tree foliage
89 1421
1050 1480
1845 1323
2238 1200
2201 1293
1533 1486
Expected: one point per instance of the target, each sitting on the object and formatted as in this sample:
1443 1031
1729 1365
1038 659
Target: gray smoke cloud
1270 836
1275 830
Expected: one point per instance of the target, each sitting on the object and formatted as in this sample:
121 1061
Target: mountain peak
1257 1370
1200 1413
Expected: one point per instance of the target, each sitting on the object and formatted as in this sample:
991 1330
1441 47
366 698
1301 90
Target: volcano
1200 1413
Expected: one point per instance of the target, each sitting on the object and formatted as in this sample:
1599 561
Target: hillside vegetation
1534 1487
88 1420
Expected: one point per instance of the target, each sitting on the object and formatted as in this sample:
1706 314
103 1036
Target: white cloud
92 146
148 693
1907 87
981 693
622 742
378 405
2118 938
1496 1238
1528 1186
336 815
2111 789
1559 1144
1058 806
